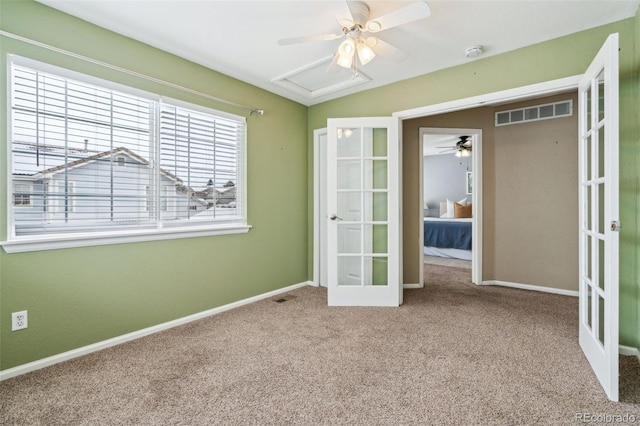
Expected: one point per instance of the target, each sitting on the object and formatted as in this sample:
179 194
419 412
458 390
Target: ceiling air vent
534 113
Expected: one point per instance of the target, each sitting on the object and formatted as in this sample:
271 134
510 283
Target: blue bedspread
447 234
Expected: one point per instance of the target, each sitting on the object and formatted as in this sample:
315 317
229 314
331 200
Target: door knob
335 217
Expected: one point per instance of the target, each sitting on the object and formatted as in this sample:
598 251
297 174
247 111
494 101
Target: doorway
470 187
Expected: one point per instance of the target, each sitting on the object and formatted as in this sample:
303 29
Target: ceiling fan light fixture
347 48
345 53
365 54
345 61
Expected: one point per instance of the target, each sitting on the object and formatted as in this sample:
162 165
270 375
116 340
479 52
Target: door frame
545 88
476 217
319 176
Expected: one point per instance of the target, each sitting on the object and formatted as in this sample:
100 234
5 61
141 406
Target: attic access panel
314 81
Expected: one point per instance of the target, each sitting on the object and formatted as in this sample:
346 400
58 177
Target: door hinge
615 226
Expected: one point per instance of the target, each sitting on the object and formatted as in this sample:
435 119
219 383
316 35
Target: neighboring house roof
105 154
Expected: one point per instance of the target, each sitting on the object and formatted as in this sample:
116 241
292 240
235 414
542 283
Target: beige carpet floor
454 353
447 261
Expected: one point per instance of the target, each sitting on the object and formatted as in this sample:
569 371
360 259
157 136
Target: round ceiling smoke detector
473 51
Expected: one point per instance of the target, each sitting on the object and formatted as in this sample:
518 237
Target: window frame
24 243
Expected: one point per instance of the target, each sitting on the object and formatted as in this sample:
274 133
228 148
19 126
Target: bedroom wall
553 59
445 177
76 297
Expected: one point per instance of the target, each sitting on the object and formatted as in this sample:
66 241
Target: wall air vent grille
534 113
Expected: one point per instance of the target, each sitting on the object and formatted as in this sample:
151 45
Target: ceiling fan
462 148
356 24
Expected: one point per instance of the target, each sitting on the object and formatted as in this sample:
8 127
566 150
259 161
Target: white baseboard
408 286
75 353
629 351
532 287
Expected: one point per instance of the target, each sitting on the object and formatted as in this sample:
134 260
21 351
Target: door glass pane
601 320
376 143
587 207
349 271
376 239
601 156
349 142
588 158
349 174
589 305
375 206
349 238
375 174
349 206
601 200
601 111
376 271
601 265
589 259
589 107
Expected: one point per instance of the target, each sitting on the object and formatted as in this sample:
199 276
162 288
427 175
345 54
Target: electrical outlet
18 320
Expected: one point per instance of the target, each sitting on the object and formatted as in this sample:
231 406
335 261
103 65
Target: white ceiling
239 38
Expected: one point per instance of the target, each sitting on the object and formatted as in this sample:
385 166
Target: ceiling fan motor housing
359 13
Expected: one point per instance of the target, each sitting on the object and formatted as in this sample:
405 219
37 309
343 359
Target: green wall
76 297
554 59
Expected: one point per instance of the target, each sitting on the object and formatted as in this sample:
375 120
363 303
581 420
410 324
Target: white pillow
450 208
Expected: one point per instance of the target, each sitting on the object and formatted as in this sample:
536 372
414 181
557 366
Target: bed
447 237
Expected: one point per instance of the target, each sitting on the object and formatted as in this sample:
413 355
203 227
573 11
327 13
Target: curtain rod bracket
256 111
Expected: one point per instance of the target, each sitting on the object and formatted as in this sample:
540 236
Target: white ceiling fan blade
386 50
410 13
306 39
343 14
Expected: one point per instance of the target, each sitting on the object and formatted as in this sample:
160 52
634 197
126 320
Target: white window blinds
202 151
97 160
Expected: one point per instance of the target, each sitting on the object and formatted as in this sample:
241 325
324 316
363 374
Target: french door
599 226
363 202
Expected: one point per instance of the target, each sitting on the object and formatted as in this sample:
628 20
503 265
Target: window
22 195
103 158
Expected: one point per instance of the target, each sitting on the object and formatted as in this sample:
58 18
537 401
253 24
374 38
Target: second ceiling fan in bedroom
356 25
462 148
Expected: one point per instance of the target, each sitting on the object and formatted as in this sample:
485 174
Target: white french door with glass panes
363 202
599 226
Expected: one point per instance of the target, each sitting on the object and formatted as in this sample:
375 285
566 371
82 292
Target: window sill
30 243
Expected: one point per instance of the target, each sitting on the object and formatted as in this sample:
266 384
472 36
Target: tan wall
530 197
